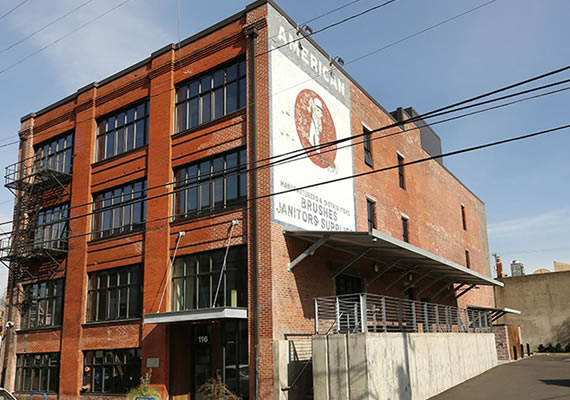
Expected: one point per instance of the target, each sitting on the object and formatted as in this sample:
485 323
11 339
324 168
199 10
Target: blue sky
523 185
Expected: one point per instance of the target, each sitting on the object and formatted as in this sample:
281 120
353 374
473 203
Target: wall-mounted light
376 267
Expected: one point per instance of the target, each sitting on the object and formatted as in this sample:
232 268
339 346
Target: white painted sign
310 106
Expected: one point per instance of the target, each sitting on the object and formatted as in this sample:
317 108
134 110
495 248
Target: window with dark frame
347 284
56 154
371 214
367 146
210 96
467 259
52 228
463 218
37 372
122 131
405 230
401 178
43 304
119 210
212 184
115 294
111 371
196 277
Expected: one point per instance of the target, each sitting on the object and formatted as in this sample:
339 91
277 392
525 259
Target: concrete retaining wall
412 366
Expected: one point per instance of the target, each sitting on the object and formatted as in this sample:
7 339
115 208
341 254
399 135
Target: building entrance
209 350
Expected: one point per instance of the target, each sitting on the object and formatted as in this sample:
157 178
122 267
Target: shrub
144 388
214 389
558 348
549 348
541 348
567 348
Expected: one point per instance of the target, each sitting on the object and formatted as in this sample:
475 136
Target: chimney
499 266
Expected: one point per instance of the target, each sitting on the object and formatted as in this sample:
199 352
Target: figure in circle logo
315 126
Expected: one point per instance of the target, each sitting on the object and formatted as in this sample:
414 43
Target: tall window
405 230
52 228
463 218
37 372
371 212
467 259
123 131
43 304
367 146
401 178
211 184
210 96
119 210
114 294
56 154
196 278
111 371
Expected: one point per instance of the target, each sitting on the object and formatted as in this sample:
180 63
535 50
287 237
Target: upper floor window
405 229
463 217
52 228
367 146
210 96
467 259
211 184
114 294
371 212
37 372
56 154
122 131
196 279
43 304
401 177
111 371
119 210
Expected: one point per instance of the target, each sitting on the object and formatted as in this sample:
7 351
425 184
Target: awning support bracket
465 291
427 287
346 266
454 290
402 275
308 252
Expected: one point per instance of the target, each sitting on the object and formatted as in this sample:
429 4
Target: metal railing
365 312
59 165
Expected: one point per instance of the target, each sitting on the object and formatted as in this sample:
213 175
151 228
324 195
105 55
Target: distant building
560 266
517 268
542 271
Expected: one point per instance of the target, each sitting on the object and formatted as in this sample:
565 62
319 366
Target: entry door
206 352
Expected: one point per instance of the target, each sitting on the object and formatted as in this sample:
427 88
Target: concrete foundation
404 366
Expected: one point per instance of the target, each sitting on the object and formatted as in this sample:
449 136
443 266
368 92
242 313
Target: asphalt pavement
535 378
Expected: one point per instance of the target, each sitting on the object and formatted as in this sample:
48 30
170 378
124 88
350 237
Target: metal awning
392 252
196 315
496 313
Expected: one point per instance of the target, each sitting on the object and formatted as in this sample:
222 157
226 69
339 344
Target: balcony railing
365 312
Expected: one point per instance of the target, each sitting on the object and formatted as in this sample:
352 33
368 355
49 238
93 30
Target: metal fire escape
36 183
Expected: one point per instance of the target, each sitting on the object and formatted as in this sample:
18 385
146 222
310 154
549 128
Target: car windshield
5 395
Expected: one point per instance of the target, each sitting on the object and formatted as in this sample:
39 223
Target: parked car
6 395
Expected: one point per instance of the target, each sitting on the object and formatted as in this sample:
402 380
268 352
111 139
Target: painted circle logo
314 127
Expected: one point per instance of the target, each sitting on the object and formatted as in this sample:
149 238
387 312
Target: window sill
124 321
118 235
209 123
109 160
39 329
210 214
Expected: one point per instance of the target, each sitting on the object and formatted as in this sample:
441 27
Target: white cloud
548 222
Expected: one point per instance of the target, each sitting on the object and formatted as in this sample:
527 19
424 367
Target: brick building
146 236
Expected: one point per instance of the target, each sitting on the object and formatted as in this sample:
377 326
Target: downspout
251 100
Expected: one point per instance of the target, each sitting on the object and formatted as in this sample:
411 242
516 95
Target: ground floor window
111 371
235 357
37 372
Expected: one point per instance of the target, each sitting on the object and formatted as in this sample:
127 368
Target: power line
13 9
307 34
63 37
296 157
374 171
44 27
419 32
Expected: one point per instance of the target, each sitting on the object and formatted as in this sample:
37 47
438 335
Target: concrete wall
400 366
544 302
